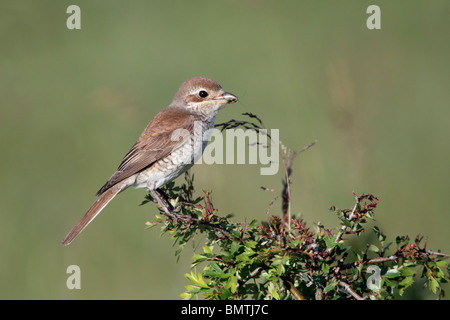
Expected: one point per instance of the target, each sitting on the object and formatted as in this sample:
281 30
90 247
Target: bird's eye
203 94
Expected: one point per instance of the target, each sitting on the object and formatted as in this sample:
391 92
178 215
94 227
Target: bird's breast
179 160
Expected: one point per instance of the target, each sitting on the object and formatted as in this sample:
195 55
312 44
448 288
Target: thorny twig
288 157
349 289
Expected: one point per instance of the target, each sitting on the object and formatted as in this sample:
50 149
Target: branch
344 228
295 293
189 219
288 159
349 289
440 254
252 274
369 261
386 259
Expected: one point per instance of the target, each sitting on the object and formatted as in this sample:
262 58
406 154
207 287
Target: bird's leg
170 213
166 198
164 195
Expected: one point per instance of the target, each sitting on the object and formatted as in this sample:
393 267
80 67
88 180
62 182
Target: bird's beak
226 98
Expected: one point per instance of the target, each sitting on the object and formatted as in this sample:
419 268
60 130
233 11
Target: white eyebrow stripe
197 90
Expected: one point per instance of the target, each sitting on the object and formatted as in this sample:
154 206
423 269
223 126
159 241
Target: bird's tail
92 212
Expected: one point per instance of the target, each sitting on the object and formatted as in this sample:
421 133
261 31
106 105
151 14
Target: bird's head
202 95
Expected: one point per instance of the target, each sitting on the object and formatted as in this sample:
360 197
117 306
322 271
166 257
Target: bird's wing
165 133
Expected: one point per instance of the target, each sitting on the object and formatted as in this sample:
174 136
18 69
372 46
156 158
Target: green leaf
249 251
441 264
216 267
149 225
234 248
405 271
347 223
390 283
392 273
178 251
273 291
255 223
433 284
215 271
331 242
405 283
379 234
225 294
174 202
236 234
325 268
243 257
196 279
198 258
231 284
330 287
192 289
208 249
186 296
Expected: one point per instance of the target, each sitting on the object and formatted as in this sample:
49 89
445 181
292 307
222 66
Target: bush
283 258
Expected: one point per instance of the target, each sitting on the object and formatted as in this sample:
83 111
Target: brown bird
169 145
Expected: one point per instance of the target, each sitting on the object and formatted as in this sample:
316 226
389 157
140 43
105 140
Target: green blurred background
72 102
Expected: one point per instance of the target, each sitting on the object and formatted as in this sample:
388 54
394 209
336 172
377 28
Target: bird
170 144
